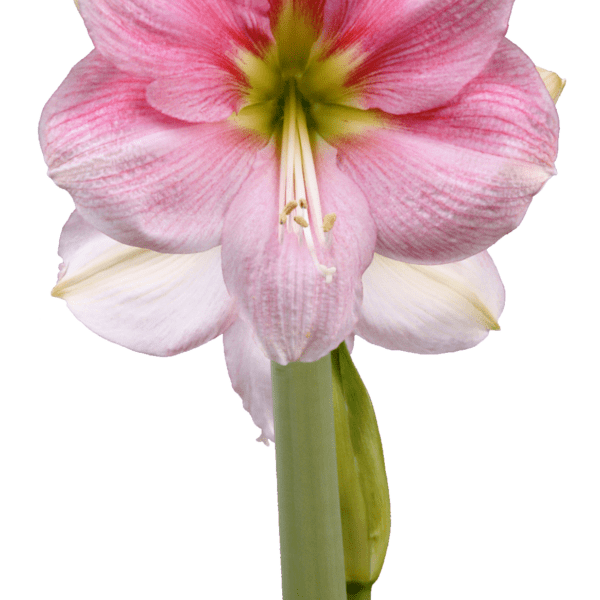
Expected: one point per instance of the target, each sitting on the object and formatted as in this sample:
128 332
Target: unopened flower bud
364 495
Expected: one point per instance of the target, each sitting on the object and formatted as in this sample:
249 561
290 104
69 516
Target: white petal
160 304
250 373
430 309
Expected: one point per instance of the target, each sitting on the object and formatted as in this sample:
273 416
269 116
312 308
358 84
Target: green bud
364 495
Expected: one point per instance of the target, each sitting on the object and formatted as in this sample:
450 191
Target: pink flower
164 304
254 125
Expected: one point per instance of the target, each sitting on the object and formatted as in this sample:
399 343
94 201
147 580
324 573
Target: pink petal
250 374
448 183
430 309
155 303
295 314
140 177
164 38
420 53
210 94
189 48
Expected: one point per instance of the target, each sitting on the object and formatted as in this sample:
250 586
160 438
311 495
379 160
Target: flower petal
424 52
210 95
250 373
189 48
430 309
448 183
140 177
554 84
164 38
295 314
160 304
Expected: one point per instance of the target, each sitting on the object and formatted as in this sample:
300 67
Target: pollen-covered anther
303 203
328 221
301 221
287 210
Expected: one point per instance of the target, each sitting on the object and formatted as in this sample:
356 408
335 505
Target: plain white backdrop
130 477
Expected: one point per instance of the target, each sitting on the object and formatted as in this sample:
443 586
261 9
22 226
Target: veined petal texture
144 178
155 303
430 309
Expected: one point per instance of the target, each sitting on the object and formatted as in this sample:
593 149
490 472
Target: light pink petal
205 95
430 309
448 183
295 314
418 54
138 176
250 374
160 304
164 38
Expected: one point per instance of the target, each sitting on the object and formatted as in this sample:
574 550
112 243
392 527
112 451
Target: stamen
328 221
291 146
283 167
287 210
298 179
310 175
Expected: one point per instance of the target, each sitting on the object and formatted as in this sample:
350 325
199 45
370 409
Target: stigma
299 201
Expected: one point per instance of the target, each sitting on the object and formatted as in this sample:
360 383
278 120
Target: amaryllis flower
163 304
302 137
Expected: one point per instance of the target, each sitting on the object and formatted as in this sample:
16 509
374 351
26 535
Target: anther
301 221
303 203
328 221
289 207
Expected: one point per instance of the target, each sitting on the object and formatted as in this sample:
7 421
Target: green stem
310 530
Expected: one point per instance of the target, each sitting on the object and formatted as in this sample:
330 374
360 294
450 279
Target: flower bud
364 495
554 84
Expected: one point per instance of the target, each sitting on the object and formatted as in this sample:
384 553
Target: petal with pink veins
448 183
297 315
250 373
141 177
430 309
164 38
206 95
160 304
424 52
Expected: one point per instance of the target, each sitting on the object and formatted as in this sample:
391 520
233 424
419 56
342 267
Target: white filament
298 179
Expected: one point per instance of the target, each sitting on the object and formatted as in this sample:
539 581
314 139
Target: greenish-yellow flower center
296 91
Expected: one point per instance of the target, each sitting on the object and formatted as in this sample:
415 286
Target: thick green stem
312 555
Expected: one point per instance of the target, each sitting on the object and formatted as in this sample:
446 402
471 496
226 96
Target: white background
130 477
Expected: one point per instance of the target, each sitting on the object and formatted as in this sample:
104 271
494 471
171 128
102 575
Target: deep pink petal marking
296 315
448 183
164 38
139 176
